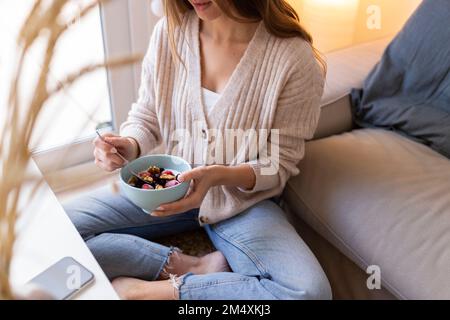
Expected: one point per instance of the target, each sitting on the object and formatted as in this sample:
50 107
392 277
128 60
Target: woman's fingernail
160 208
180 178
114 150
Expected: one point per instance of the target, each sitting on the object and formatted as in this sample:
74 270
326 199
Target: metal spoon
104 140
133 173
137 176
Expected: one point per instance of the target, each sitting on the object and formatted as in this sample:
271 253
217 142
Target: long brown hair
278 16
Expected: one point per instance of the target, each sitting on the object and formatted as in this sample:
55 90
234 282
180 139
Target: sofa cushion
409 90
346 69
382 200
335 118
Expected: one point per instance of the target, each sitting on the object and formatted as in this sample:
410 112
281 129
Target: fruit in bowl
157 181
154 178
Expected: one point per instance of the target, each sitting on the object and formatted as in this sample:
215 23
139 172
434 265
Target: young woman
214 67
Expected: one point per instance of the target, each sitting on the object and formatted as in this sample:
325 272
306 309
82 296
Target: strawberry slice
167 172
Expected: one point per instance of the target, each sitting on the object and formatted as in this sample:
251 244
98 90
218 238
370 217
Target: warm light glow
332 22
344 3
335 24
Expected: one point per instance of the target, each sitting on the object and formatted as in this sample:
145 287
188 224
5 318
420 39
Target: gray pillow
409 89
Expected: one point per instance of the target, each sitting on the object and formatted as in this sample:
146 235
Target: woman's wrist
240 176
136 149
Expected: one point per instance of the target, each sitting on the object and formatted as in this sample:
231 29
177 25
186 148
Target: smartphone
64 279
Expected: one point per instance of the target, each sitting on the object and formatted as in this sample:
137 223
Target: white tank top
210 99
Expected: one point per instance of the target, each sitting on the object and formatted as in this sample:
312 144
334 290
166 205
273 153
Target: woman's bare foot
135 289
212 263
180 264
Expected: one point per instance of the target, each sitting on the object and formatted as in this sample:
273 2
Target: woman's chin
207 17
208 14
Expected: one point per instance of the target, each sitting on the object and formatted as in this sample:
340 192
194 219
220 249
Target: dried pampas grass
43 22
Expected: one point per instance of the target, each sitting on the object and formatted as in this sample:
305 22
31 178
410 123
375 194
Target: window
67 126
73 115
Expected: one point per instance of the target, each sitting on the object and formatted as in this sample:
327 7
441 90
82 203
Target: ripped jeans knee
166 273
175 280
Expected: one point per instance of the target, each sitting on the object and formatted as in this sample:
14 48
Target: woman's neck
227 30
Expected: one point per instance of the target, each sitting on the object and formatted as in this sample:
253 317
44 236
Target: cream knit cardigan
276 85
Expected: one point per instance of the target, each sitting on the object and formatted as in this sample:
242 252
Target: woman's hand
202 179
105 153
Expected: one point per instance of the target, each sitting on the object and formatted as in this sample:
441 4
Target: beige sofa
371 197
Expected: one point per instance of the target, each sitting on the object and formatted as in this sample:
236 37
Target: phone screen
63 279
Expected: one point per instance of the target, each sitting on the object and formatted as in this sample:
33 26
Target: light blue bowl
149 200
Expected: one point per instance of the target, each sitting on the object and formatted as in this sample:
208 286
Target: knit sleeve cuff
266 177
140 136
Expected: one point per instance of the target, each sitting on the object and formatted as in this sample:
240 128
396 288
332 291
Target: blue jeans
268 258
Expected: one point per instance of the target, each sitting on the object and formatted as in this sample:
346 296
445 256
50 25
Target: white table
46 235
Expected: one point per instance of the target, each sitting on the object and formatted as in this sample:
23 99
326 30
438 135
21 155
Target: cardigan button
204 135
203 219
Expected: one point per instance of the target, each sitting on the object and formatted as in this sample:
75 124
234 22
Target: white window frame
127 26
